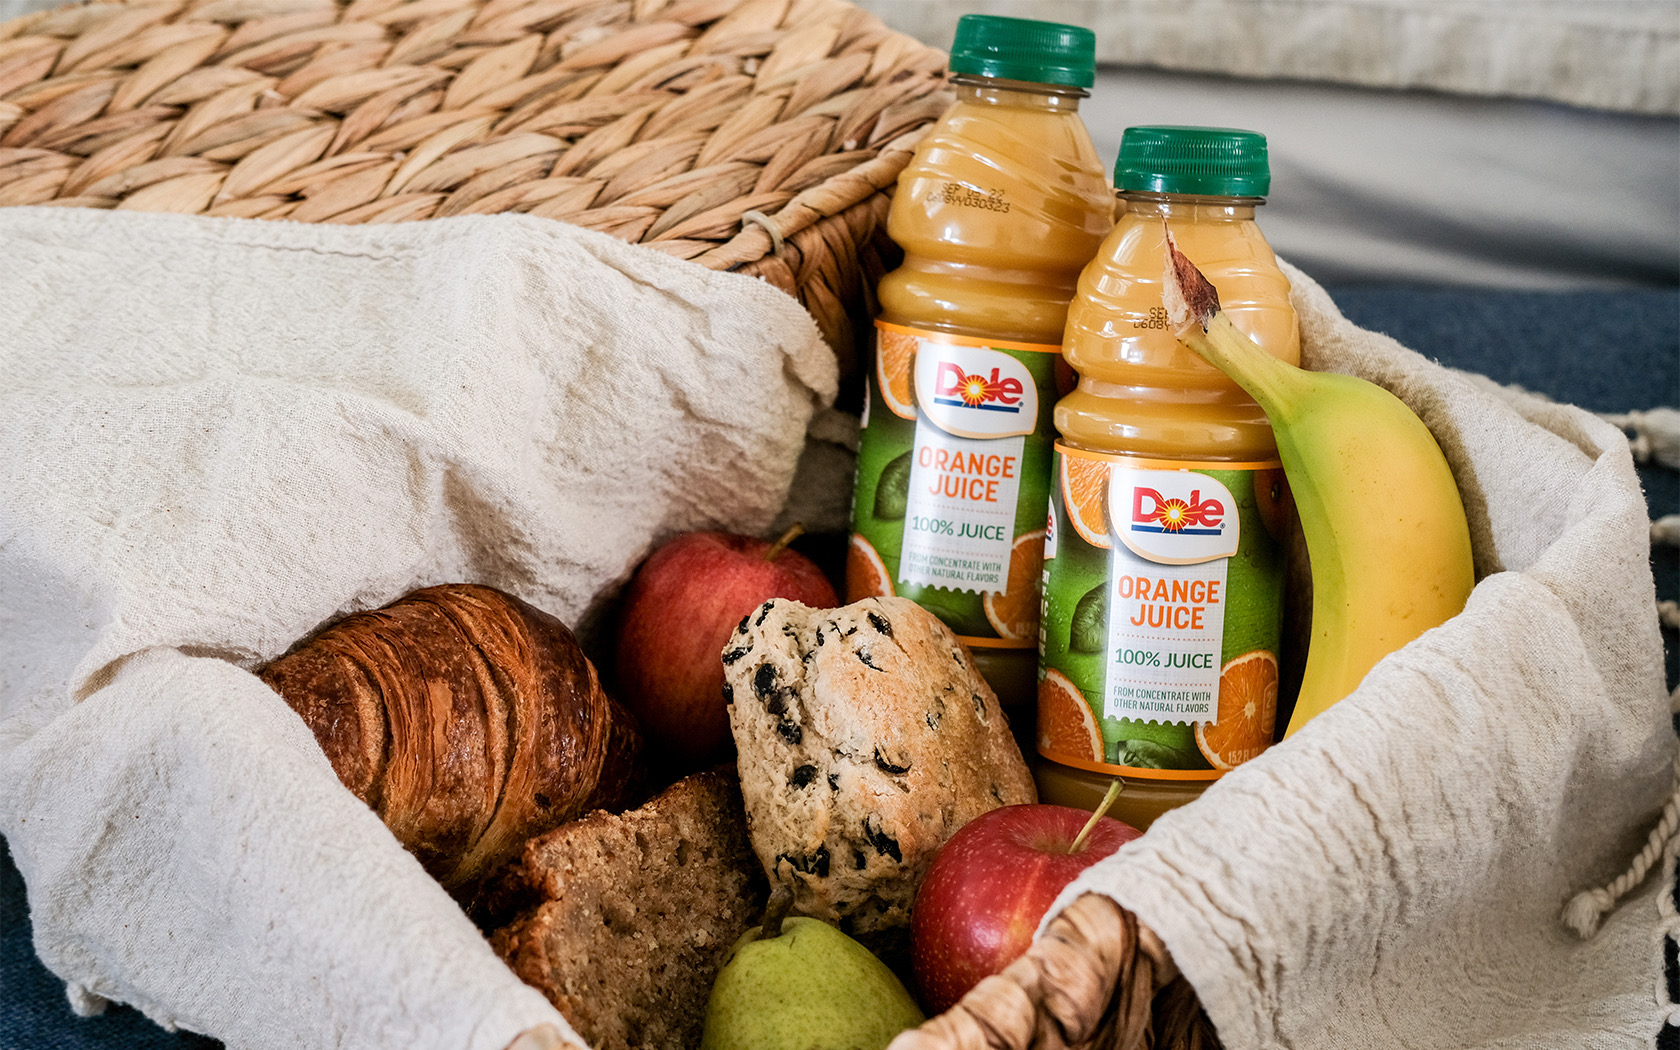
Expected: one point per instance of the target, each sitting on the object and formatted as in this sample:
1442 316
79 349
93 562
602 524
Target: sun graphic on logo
1173 515
974 390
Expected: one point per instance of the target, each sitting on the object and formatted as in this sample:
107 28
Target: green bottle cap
1022 49
1206 162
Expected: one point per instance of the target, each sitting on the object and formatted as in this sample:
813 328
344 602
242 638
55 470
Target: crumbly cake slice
865 738
636 912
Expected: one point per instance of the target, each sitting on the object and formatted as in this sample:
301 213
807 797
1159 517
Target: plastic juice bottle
1164 567
1004 202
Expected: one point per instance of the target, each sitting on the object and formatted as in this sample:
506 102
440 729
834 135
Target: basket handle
1088 981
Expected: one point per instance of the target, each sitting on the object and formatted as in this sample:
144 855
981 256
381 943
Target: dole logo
1173 517
974 391
1153 512
952 387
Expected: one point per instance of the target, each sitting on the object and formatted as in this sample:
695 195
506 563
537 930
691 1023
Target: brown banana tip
1186 294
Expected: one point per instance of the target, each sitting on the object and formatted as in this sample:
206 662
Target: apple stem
1102 811
781 902
796 530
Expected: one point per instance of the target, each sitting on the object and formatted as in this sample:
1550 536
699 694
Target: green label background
1253 620
888 438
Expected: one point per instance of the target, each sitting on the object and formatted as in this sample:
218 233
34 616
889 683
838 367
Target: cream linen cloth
1392 877
218 435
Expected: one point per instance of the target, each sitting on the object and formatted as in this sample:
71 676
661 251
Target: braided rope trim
1667 944
1655 437
1586 909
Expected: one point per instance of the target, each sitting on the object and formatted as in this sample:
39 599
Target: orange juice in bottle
1163 565
1003 204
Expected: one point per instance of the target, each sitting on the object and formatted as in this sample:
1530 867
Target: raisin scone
866 738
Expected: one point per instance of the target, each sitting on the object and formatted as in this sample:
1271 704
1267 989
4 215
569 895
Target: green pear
807 987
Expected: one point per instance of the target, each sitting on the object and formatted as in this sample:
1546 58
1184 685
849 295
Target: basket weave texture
762 136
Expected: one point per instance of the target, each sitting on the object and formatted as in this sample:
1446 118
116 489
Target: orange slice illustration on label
895 354
1013 611
1085 495
1066 725
1248 688
866 573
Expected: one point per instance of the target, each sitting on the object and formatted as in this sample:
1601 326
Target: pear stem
781 902
796 530
1114 789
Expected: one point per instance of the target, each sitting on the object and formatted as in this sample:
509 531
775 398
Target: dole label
1163 609
975 392
1173 517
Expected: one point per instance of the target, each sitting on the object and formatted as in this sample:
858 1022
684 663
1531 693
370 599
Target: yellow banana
1384 524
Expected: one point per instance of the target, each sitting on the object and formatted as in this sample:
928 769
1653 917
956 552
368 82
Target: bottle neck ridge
994 91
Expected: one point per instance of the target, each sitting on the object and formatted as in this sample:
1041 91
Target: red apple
989 887
679 612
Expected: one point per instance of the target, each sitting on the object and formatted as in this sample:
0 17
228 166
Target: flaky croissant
466 719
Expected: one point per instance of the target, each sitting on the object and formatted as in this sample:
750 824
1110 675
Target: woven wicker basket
759 136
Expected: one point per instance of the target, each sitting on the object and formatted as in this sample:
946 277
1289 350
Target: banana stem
1224 346
1193 308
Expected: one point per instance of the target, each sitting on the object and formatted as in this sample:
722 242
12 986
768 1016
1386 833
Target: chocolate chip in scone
763 611
793 633
815 863
819 634
764 681
834 782
789 730
859 861
803 775
741 628
731 655
863 654
888 767
884 843
880 623
728 694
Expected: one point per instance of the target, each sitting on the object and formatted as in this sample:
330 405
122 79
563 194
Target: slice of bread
634 912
